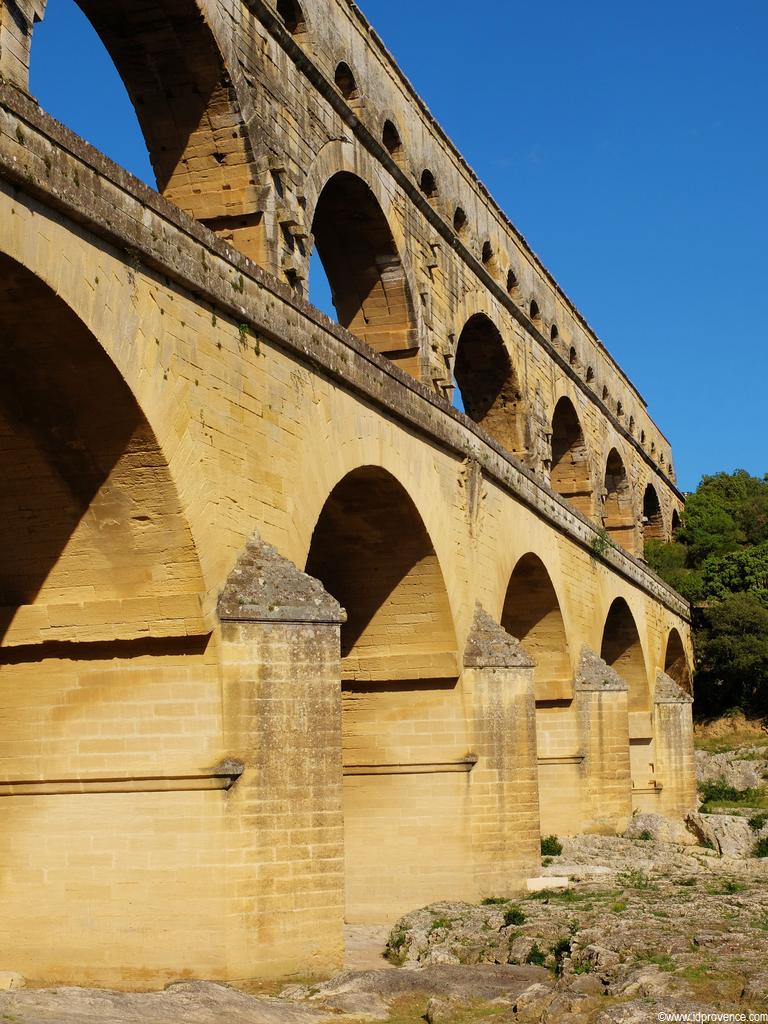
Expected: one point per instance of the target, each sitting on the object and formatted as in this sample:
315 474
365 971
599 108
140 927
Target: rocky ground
667 919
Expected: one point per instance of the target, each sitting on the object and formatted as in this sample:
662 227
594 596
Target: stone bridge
287 638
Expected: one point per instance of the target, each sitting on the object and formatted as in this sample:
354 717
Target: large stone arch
373 554
570 470
368 280
532 613
336 451
91 512
622 649
135 349
400 671
676 664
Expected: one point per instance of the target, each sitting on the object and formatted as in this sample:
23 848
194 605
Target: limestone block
547 882
10 980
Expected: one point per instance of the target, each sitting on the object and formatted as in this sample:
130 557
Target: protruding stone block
265 587
490 646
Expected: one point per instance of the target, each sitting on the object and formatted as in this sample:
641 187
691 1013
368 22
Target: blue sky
627 142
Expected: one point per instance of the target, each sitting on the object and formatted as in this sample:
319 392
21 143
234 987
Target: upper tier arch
368 281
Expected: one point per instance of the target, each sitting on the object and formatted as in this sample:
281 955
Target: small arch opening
291 16
488 254
427 184
513 285
676 523
391 140
489 387
535 311
573 356
345 81
554 334
605 392
631 424
590 374
570 473
459 220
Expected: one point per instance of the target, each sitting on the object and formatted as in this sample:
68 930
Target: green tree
744 571
728 511
670 561
733 656
719 562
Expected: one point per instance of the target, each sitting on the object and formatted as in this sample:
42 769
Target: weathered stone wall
178 772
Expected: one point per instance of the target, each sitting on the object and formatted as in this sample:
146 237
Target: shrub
493 901
634 879
551 846
761 847
396 947
645 835
560 950
536 956
514 916
757 821
719 792
601 542
728 887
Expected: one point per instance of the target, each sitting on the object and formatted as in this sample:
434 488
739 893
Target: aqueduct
287 639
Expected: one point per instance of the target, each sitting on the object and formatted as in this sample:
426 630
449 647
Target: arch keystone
489 645
670 692
593 675
266 587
